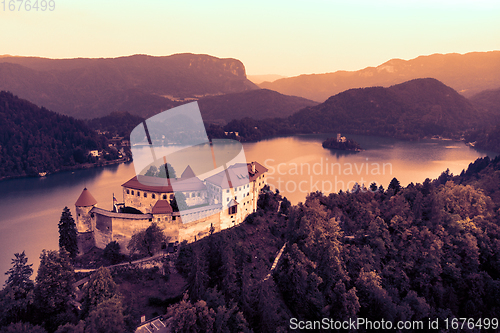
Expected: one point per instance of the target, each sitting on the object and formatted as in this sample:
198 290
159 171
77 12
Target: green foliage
100 288
164 171
107 317
23 328
148 241
20 272
112 252
67 233
71 328
16 298
116 123
35 140
54 288
198 278
188 317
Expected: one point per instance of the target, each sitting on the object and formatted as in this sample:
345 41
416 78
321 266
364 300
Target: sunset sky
270 37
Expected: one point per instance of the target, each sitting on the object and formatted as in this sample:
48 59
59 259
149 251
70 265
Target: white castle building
219 201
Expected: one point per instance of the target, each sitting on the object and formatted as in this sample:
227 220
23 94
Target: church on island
220 201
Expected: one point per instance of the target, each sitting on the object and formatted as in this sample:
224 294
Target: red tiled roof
160 185
259 170
152 184
162 207
85 199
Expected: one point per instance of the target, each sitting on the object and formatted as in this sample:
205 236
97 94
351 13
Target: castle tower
83 206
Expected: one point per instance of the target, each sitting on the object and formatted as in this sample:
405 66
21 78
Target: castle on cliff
220 201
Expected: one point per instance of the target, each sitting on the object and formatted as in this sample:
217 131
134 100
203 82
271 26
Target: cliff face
140 84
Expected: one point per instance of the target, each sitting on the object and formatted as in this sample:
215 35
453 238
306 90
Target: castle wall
136 199
198 229
170 227
124 228
85 241
83 219
145 200
103 232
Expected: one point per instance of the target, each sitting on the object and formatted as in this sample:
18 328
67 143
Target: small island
341 143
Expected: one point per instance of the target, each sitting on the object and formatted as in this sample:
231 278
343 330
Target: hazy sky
269 37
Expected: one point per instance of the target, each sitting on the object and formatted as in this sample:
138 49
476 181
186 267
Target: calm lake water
30 208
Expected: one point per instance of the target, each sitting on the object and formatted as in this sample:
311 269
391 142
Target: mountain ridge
467 73
88 88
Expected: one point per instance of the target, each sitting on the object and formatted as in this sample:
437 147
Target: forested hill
256 104
429 250
35 140
488 137
414 109
411 110
139 84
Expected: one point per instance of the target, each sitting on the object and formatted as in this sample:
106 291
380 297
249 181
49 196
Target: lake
31 207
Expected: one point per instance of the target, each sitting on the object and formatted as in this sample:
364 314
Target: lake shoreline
72 168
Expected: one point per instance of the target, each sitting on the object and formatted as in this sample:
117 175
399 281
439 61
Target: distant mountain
412 110
34 140
140 84
488 100
468 74
256 104
257 79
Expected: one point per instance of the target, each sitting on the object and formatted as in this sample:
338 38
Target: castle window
150 220
227 199
159 219
132 192
198 194
227 191
145 195
128 191
232 209
166 218
171 197
153 196
173 218
138 193
164 197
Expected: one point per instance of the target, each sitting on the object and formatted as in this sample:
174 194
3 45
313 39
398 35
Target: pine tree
19 274
54 288
67 233
17 296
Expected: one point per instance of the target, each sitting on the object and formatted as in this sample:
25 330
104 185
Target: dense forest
429 250
116 124
35 140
